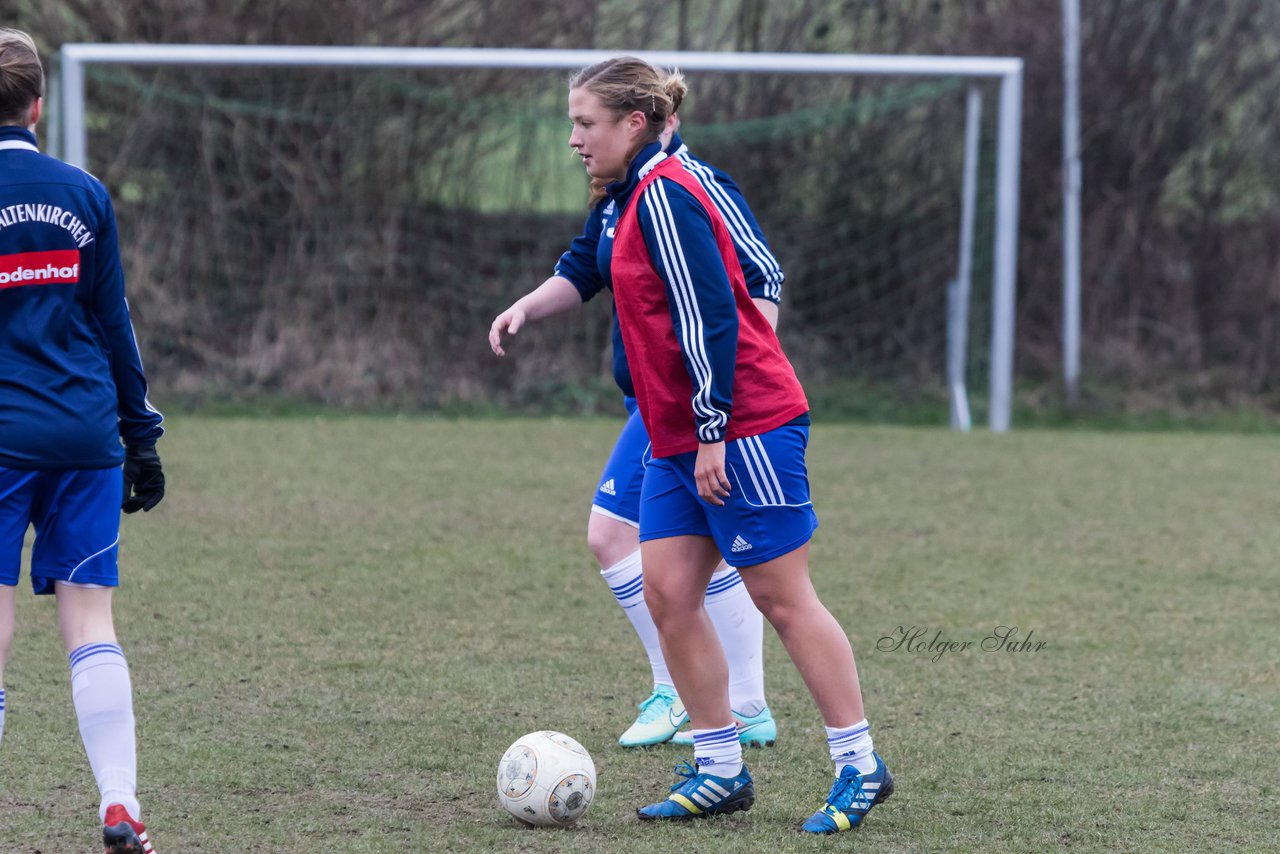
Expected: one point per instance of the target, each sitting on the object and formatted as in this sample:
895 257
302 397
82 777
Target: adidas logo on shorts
608 487
739 544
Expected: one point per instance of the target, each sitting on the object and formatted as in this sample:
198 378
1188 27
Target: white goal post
71 131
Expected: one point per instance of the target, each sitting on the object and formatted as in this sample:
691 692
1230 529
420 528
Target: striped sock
851 745
740 627
718 751
1 714
103 697
627 583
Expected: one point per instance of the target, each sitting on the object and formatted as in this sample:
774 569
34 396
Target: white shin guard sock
852 745
740 627
103 697
627 583
717 751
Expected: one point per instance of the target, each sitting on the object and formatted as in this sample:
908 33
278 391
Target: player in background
614 521
728 423
73 409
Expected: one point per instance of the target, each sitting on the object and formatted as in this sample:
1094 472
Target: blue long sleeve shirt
72 387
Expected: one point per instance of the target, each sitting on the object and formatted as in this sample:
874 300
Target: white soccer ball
546 779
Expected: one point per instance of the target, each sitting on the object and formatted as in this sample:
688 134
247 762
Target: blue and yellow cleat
696 795
758 731
660 716
851 798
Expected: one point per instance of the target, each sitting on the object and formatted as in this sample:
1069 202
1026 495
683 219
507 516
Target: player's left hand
143 479
709 474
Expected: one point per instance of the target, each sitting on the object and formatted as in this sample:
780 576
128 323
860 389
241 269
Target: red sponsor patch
59 266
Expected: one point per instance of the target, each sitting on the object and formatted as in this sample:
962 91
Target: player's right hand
709 473
509 322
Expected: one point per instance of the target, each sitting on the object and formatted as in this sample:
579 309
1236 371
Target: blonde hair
626 84
21 76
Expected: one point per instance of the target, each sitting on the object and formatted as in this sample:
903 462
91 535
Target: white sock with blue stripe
1 714
740 627
103 697
718 751
627 583
851 745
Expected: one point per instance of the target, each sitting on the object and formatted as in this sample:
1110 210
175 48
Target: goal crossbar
1007 70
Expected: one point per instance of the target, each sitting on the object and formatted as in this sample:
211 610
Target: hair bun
676 89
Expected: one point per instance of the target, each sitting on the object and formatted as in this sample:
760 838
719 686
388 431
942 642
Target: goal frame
70 130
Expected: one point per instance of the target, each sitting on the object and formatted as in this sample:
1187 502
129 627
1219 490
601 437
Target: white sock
718 751
740 627
1 714
851 745
103 698
627 583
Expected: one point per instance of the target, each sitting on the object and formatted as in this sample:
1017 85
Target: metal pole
1071 181
958 321
1004 279
444 57
75 142
53 112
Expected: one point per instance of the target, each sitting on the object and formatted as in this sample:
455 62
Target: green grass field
337 625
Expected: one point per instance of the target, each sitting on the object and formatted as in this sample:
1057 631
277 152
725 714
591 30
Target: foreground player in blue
73 409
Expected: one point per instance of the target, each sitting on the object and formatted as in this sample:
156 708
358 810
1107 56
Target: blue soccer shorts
76 515
618 492
767 514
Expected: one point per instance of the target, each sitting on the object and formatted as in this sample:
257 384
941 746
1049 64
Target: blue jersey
586 263
71 380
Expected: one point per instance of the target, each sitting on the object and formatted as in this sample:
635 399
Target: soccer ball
546 779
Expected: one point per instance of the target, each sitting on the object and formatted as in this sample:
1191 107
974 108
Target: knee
610 540
599 543
665 606
658 603
780 611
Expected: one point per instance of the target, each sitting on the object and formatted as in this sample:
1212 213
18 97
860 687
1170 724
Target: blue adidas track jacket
71 380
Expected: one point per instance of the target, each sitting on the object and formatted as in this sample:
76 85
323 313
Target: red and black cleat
121 834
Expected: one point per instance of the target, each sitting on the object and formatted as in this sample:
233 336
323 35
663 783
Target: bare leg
6 626
84 616
610 539
816 643
676 573
6 639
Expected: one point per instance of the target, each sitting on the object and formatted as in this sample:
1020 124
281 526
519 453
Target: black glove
143 479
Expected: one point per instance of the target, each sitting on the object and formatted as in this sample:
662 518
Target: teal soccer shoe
660 716
758 731
851 798
696 795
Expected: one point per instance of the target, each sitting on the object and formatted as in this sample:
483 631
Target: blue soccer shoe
851 798
697 795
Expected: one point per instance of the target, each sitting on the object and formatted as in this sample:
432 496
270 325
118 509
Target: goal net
344 235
